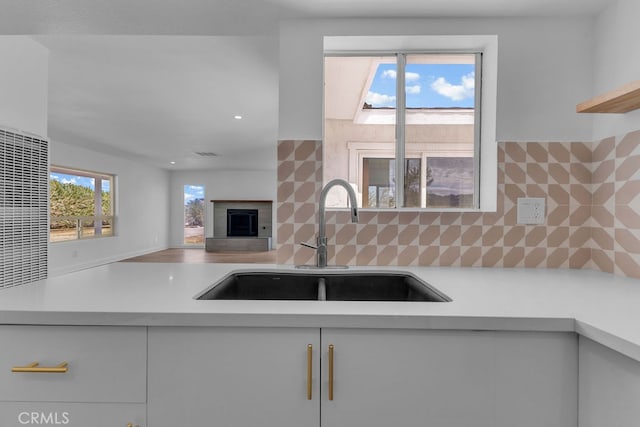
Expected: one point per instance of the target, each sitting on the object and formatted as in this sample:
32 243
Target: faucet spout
322 238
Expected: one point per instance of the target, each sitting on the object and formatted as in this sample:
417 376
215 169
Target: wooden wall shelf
620 100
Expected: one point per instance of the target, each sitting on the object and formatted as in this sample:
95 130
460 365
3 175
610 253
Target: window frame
486 100
81 219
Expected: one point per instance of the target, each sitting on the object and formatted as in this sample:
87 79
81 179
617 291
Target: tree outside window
193 215
80 204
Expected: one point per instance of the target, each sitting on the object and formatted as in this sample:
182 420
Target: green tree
194 213
67 199
106 203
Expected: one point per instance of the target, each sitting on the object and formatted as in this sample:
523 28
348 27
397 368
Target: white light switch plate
530 210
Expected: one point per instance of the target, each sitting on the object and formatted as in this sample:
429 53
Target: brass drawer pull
331 347
35 367
309 370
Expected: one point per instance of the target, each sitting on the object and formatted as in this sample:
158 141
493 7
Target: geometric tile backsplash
592 193
616 205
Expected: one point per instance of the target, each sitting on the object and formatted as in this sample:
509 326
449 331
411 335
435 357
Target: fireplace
242 222
241 225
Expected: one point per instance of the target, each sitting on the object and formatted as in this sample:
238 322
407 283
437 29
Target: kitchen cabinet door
228 377
536 379
73 375
448 378
609 387
401 378
104 364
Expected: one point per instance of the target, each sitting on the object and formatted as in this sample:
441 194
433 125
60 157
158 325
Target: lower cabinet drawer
20 414
103 364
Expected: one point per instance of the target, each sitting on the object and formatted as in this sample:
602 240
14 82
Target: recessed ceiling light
237 117
173 163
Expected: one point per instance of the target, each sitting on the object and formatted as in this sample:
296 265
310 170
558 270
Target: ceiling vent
206 154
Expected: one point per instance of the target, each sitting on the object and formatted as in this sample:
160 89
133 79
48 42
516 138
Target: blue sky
192 192
78 180
427 85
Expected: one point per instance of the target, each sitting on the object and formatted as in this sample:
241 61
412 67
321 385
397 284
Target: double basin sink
322 285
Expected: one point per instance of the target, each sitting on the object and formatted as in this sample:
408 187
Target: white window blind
24 188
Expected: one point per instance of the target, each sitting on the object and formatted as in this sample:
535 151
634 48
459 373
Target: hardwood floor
195 256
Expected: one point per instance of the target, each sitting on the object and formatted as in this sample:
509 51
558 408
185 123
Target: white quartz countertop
599 306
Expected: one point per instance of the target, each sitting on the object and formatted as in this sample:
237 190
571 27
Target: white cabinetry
102 378
452 378
609 387
247 377
233 377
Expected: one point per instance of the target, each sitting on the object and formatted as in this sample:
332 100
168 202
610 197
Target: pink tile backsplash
592 195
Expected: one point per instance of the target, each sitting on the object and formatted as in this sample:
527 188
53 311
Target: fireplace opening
242 222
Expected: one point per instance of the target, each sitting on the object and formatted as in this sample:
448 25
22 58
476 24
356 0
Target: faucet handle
309 245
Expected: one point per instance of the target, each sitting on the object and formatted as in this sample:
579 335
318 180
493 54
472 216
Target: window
414 103
378 181
449 182
406 125
81 204
194 215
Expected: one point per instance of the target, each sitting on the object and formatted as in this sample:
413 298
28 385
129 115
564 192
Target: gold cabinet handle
36 368
331 347
131 425
309 370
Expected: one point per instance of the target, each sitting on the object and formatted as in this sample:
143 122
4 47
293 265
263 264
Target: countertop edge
608 339
275 320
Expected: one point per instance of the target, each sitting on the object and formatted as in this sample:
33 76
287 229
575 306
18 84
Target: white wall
23 85
218 185
142 211
544 69
616 62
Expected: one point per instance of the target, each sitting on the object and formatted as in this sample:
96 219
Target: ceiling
159 80
161 99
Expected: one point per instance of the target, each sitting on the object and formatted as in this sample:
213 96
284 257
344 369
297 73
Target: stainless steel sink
264 286
379 287
322 285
